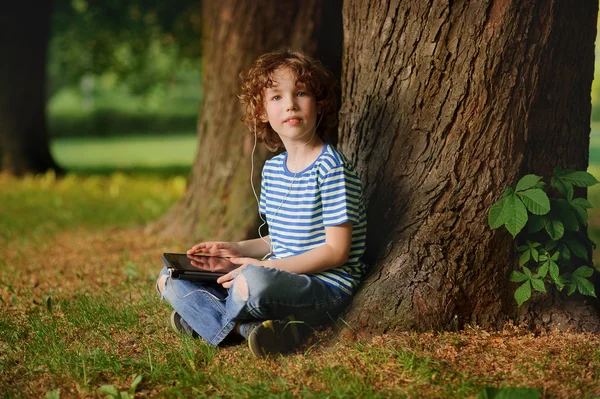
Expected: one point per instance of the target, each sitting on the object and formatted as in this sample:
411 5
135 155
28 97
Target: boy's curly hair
309 72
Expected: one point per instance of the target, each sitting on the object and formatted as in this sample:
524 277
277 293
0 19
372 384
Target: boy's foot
274 336
180 326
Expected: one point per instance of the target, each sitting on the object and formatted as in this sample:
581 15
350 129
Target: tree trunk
445 103
24 34
218 202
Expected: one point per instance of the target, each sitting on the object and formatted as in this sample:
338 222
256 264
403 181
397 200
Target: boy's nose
291 106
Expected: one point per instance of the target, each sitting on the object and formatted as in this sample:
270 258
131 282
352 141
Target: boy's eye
276 98
302 94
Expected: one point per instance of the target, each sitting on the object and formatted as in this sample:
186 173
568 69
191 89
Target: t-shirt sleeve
262 204
340 196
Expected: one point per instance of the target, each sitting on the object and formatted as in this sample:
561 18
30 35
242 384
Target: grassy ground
79 315
126 152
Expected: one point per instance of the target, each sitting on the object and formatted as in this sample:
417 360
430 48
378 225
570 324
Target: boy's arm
255 248
334 253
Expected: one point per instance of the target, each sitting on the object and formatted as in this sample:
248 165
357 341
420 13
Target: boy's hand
227 280
216 248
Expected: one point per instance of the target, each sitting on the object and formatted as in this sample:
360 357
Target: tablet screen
201 263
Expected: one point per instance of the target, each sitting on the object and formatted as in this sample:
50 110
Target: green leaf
509 393
109 390
535 200
136 381
516 215
561 210
565 253
563 187
555 256
583 271
560 282
535 254
508 191
580 179
538 285
584 286
527 271
578 249
555 229
522 248
498 213
523 293
571 288
536 223
582 202
550 245
524 258
543 270
517 277
553 270
527 182
54 394
581 213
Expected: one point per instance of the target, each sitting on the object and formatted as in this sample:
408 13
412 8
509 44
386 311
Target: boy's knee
240 287
160 284
257 281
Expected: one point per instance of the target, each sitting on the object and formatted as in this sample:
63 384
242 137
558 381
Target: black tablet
197 267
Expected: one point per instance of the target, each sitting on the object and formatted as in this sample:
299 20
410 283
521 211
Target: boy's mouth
292 120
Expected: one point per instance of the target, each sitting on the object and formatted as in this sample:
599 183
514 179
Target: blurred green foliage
117 67
137 42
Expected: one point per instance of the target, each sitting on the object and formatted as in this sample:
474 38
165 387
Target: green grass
125 152
36 207
78 308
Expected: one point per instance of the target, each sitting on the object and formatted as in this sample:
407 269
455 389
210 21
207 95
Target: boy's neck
302 155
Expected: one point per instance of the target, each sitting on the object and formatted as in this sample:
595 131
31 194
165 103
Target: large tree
218 201
24 33
444 105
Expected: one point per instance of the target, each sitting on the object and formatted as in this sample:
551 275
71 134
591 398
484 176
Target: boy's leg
265 293
289 303
202 306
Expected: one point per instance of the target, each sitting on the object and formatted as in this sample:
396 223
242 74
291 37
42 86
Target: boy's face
291 110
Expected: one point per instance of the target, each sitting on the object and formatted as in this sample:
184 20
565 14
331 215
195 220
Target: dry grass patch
79 311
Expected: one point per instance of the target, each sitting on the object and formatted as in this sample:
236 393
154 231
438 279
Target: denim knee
259 280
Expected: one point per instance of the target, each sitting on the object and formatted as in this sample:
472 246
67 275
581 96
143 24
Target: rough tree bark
218 202
24 34
444 104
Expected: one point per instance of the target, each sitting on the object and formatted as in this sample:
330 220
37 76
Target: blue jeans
212 311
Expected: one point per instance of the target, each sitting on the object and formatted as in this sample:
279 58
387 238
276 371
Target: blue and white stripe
299 206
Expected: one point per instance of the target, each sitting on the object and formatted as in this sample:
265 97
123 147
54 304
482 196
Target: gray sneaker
180 326
274 336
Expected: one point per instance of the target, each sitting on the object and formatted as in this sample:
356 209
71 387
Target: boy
309 265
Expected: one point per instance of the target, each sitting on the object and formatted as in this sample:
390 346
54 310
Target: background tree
140 42
24 37
218 201
444 105
125 67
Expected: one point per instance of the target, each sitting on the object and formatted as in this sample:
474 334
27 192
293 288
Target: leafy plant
113 393
550 226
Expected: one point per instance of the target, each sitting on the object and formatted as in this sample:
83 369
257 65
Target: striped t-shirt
298 208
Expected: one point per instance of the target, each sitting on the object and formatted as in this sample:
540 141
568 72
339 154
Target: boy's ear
264 118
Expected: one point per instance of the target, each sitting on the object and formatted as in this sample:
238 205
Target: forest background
79 315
